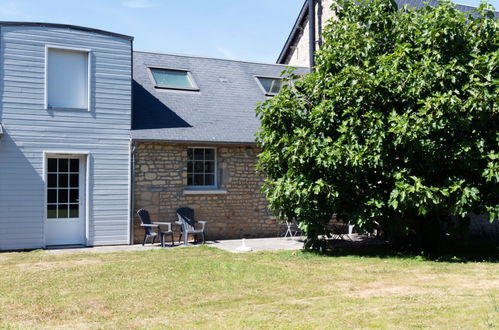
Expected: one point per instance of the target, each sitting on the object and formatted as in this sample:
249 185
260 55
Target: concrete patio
257 244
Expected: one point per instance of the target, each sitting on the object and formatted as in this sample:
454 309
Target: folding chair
292 229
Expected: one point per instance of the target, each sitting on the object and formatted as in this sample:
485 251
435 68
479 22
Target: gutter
199 142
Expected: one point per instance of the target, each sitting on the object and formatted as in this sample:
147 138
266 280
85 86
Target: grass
207 287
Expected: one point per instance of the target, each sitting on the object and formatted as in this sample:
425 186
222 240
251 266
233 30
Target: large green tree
397 125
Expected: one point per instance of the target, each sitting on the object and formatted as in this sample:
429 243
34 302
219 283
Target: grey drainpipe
311 32
132 188
319 23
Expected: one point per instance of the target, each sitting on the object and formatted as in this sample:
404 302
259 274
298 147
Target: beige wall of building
299 54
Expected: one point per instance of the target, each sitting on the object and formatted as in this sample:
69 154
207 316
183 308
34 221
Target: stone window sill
205 192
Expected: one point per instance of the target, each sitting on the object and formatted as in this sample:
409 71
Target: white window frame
261 86
194 88
89 76
215 171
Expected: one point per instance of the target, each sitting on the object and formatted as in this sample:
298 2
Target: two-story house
65 117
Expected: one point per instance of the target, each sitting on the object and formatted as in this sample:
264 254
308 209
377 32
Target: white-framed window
173 79
270 85
201 167
67 78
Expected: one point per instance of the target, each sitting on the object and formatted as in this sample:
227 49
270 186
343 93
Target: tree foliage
398 123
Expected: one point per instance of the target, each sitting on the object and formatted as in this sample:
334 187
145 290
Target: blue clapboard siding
30 130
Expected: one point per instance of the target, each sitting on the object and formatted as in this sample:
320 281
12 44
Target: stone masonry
238 209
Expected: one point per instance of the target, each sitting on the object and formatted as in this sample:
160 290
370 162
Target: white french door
65 191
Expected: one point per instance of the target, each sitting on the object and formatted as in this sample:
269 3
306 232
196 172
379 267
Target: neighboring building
193 132
65 115
296 50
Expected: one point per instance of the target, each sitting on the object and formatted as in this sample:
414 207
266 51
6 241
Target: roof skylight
271 86
174 79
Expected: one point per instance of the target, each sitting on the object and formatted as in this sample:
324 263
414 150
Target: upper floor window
67 79
201 167
174 79
271 86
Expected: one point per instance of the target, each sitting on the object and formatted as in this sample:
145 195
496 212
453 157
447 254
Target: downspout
311 32
319 23
132 188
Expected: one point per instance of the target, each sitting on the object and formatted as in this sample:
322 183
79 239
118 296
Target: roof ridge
215 58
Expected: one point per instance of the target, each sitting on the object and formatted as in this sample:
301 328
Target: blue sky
253 30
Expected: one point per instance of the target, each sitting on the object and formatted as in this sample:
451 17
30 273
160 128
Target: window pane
190 167
73 182
172 78
198 167
74 165
63 195
190 154
270 85
276 86
199 154
67 79
74 195
198 179
209 179
266 83
209 154
209 167
51 211
63 180
52 180
52 196
190 180
73 211
63 165
52 165
62 211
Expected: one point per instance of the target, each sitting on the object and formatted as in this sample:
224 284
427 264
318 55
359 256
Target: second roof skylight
271 86
175 79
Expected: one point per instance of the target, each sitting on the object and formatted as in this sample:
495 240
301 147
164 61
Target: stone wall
160 186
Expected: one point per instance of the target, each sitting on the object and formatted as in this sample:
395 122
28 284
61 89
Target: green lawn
207 287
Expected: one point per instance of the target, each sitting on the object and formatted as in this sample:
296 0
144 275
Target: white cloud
227 53
10 10
139 4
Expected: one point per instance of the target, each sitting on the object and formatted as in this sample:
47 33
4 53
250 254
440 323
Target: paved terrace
256 244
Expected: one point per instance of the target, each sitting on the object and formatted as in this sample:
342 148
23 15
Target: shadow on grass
475 251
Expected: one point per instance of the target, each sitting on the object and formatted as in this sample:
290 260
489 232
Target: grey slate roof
303 17
222 111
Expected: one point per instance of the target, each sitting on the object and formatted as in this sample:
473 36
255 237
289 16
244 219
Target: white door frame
84 181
